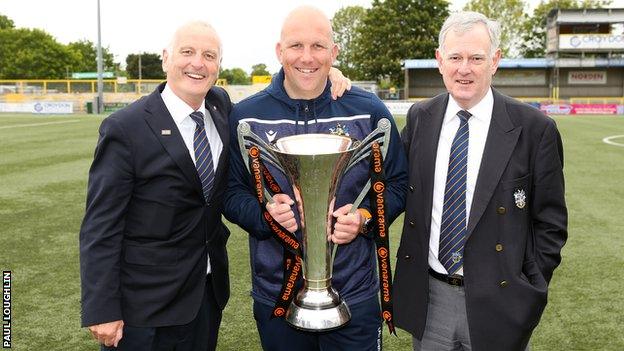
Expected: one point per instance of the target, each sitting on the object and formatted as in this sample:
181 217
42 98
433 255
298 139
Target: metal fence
68 86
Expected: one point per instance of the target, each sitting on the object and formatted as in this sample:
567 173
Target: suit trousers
447 325
198 335
446 328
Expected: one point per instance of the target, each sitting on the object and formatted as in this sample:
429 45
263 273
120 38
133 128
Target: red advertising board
594 109
579 109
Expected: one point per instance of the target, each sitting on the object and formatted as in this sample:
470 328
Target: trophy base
318 311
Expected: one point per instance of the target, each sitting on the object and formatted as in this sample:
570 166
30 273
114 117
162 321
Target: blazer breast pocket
516 193
520 182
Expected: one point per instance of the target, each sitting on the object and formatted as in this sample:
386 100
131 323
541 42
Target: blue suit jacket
511 250
147 227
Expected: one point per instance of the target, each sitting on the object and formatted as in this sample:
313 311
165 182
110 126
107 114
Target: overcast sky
248 29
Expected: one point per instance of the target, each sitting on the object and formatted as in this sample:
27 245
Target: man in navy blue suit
153 259
485 216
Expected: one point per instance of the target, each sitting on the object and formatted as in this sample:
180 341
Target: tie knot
464 115
198 117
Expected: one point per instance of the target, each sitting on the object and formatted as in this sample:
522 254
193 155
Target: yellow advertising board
260 79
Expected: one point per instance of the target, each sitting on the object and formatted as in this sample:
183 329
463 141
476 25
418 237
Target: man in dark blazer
485 213
153 257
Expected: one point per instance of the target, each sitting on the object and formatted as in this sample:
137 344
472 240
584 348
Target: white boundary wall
398 107
43 107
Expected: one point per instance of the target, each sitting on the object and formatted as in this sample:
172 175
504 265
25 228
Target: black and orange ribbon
292 246
382 242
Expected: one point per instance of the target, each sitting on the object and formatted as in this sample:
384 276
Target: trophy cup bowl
314 164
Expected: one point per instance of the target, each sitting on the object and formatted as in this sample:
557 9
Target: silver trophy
314 165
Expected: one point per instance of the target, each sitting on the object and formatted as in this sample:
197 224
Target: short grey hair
199 24
461 22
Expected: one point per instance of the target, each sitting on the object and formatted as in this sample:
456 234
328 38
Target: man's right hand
282 212
109 333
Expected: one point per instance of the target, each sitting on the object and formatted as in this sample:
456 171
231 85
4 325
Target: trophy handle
247 139
381 135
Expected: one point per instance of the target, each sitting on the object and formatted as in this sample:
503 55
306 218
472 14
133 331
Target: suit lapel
427 148
219 118
501 141
166 131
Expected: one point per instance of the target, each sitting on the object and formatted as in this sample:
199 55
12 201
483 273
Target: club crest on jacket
340 129
520 198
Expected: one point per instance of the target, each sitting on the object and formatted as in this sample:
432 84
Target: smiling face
467 64
306 51
192 62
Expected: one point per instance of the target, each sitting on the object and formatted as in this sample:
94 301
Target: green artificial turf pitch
44 162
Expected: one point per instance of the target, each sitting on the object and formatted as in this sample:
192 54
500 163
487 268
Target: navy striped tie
453 227
203 155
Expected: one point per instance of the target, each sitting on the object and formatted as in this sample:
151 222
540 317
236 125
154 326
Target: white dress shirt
180 112
478 125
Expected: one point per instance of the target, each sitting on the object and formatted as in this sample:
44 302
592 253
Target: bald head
306 51
310 17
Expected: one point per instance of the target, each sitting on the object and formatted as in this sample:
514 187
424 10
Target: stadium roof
529 63
578 16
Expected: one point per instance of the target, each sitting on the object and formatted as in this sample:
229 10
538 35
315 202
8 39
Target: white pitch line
607 140
39 124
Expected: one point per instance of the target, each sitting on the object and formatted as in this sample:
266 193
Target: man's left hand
339 83
347 226
108 334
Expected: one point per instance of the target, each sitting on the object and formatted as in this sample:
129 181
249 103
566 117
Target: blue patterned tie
203 155
453 227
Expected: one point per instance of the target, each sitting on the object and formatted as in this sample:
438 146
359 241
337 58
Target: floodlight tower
100 82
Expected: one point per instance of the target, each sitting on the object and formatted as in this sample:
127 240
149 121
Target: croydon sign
591 41
44 107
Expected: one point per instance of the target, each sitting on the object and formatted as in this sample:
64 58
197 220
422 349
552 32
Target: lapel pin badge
165 132
520 198
456 257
